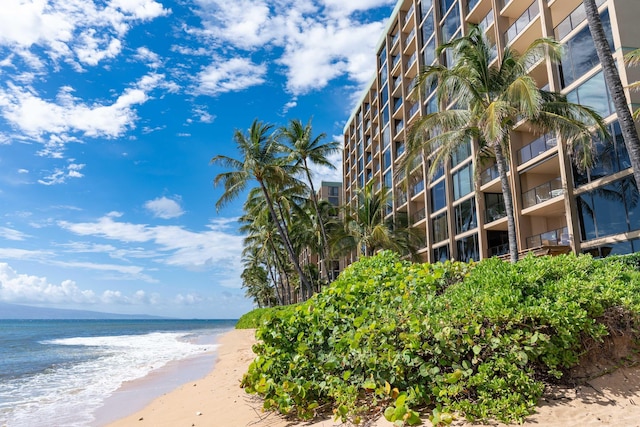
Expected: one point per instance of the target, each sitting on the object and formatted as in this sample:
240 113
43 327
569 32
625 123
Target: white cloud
72 30
175 246
165 208
54 121
11 234
233 75
23 288
150 58
321 40
24 254
16 287
60 176
23 171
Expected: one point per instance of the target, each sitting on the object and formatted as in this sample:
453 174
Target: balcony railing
487 21
410 36
499 250
399 126
471 5
407 17
559 237
396 61
419 216
412 59
397 104
542 193
395 39
417 188
402 198
495 212
521 23
397 81
489 174
414 109
537 147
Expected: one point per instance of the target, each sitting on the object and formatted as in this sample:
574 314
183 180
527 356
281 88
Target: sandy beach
218 401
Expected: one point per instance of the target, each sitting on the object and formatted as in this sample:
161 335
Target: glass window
429 53
387 179
428 28
445 5
384 96
438 196
610 157
441 254
593 93
494 205
382 56
610 209
386 159
425 5
463 182
451 24
468 249
386 136
465 216
440 228
580 54
462 153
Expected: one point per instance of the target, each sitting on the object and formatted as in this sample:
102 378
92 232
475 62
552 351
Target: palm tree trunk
612 78
285 238
323 232
508 201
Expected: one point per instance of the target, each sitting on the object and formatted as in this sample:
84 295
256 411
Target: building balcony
417 188
559 237
418 216
537 147
499 250
522 23
540 194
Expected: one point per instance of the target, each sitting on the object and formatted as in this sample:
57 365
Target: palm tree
366 231
612 78
633 58
262 161
305 149
489 102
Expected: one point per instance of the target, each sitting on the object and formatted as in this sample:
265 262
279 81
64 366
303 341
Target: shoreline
218 400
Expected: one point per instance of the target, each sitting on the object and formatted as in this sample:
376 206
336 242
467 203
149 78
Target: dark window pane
438 196
586 214
441 254
465 216
468 249
440 228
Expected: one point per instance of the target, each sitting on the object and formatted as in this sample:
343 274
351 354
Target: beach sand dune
218 401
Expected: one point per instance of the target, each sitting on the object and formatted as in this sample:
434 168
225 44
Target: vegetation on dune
475 340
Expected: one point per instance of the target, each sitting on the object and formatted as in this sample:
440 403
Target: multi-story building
459 211
332 193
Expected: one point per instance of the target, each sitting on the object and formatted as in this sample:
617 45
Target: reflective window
384 96
445 5
465 216
387 180
428 27
610 157
425 5
463 182
617 248
462 153
386 159
580 54
441 254
610 209
468 249
440 228
429 54
593 93
451 24
438 196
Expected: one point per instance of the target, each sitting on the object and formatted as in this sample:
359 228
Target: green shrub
256 317
394 337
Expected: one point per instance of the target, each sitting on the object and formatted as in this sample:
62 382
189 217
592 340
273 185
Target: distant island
20 312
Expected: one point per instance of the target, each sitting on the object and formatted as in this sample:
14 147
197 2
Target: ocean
60 372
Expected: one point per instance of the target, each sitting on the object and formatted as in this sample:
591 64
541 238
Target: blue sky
110 111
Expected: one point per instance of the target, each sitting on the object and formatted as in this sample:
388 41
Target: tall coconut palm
306 150
489 103
612 79
262 161
366 231
633 58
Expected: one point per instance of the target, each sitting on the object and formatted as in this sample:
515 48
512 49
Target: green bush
256 317
394 337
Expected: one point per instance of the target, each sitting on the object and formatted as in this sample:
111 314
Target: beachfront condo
459 212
